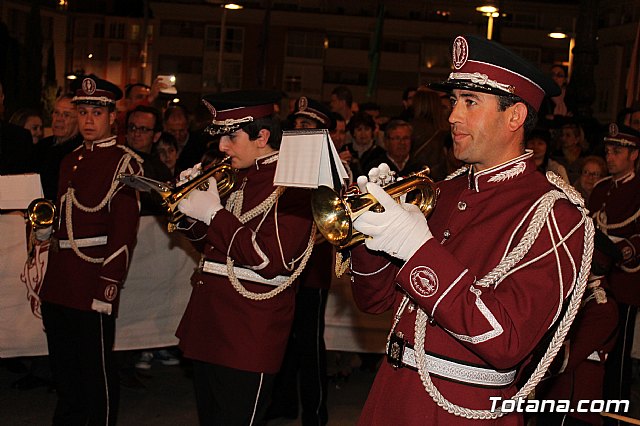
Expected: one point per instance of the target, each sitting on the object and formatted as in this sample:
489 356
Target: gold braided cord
234 204
282 287
342 264
70 199
601 219
534 228
604 226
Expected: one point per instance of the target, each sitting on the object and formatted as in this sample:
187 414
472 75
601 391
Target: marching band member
256 242
478 285
88 261
615 206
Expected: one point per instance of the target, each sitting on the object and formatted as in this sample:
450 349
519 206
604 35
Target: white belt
460 372
84 242
210 267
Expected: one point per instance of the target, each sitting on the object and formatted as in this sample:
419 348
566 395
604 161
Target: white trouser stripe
255 404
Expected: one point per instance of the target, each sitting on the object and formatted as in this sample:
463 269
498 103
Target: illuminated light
233 6
557 34
72 77
175 100
172 78
487 9
90 55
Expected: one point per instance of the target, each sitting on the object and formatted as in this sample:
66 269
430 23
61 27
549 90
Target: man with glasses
144 128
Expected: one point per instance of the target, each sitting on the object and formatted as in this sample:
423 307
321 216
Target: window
305 44
349 41
98 30
436 54
231 76
233 39
182 29
116 30
172 64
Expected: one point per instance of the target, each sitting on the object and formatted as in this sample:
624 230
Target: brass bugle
334 213
171 196
41 213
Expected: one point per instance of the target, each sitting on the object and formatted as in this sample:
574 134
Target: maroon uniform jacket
220 326
613 203
478 219
591 338
70 280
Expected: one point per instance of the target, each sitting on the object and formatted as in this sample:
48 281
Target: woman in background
538 141
593 169
31 120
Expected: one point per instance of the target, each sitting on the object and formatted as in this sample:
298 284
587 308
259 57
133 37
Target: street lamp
558 34
223 28
490 11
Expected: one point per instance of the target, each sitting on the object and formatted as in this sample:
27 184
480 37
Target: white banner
153 299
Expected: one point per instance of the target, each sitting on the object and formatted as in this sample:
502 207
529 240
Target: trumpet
334 214
171 195
41 213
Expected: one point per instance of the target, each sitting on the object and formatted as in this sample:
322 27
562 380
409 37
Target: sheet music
305 159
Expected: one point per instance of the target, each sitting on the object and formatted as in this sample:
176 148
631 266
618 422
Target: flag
633 86
374 52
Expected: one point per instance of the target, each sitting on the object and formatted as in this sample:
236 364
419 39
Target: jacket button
462 206
447 234
199 282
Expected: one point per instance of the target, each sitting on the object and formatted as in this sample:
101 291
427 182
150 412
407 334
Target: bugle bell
334 213
41 213
171 195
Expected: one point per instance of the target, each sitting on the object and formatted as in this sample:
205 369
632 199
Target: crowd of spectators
170 139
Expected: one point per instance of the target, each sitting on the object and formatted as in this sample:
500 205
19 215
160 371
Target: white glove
202 205
101 307
189 174
400 230
44 234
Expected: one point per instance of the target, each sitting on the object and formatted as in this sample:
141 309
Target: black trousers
618 368
80 352
229 397
305 362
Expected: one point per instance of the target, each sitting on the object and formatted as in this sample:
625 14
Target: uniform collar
270 158
103 143
485 179
624 179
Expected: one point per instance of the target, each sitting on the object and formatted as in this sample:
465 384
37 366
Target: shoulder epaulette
572 194
131 153
604 179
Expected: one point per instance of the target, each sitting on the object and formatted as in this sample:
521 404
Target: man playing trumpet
477 286
255 243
